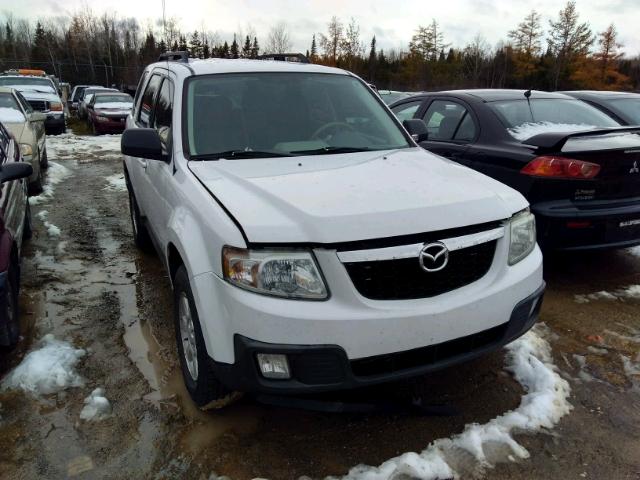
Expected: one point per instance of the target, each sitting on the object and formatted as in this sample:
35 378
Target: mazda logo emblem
433 257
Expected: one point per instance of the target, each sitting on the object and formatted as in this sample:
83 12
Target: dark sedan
579 169
15 225
107 112
624 107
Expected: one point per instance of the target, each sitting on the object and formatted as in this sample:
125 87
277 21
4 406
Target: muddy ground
92 287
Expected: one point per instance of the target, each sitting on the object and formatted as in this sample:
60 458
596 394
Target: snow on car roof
222 65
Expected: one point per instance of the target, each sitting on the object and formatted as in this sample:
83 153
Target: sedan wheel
188 336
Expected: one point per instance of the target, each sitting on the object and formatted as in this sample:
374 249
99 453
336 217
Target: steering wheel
322 129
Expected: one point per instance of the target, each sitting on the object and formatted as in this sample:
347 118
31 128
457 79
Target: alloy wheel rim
188 336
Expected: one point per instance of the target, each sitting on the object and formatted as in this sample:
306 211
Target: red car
108 112
15 225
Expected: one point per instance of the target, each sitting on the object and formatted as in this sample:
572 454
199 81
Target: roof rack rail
284 57
179 56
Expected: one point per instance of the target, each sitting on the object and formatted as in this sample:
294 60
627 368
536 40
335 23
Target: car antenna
527 95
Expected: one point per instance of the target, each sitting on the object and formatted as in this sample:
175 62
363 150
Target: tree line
106 49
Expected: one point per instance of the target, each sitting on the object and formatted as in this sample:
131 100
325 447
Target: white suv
311 244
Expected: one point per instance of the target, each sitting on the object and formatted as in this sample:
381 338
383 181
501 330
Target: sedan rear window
113 99
273 114
524 119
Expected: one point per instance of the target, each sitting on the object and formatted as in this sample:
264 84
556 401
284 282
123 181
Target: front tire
204 388
44 160
35 187
140 232
27 229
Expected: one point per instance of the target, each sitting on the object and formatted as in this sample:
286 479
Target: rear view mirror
15 171
417 129
142 143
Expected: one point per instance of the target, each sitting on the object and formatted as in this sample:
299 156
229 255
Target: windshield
9 110
113 99
523 121
287 114
38 84
629 107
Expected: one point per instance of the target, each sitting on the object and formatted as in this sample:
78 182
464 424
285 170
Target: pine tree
206 52
527 45
234 52
195 45
175 46
569 42
246 48
314 48
183 43
607 57
373 59
255 48
224 51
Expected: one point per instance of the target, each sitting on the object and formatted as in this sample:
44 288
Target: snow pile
632 370
11 115
527 130
628 292
116 183
55 175
73 147
96 406
50 369
52 230
545 403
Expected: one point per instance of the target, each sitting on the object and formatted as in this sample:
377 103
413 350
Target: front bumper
110 126
54 122
597 224
320 368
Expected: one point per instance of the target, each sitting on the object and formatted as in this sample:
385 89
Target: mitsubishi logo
635 168
433 257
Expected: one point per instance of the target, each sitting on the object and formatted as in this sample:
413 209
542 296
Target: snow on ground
632 370
96 406
528 130
116 183
545 403
49 369
55 175
69 146
624 293
52 230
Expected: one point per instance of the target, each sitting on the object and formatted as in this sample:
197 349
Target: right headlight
282 273
523 236
26 150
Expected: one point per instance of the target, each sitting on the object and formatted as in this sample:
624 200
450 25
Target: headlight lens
291 274
55 106
100 118
523 236
26 150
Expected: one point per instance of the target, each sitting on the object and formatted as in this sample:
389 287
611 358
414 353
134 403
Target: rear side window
406 110
449 121
146 106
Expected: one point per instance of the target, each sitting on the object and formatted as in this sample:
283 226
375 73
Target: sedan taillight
561 167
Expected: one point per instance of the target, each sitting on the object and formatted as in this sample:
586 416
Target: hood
358 196
17 130
33 95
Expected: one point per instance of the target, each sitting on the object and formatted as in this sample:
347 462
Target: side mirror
37 117
417 129
142 143
15 171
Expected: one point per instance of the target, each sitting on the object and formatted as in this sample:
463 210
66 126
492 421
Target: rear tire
35 187
140 232
204 388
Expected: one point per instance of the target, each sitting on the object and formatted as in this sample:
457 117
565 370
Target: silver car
27 126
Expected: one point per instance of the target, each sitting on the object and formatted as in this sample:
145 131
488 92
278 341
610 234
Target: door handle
144 164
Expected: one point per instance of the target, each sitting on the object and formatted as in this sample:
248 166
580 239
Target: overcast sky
392 21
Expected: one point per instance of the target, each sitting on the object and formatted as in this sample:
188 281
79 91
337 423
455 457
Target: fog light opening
274 366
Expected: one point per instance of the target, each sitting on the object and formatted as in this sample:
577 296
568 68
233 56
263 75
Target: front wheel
140 232
35 187
204 388
44 160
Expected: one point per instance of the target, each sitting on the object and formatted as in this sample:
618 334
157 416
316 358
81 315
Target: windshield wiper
232 154
327 150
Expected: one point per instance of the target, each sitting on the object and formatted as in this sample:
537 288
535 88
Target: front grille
418 357
404 279
39 105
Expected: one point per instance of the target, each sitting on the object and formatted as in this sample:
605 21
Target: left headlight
100 118
523 236
290 274
26 150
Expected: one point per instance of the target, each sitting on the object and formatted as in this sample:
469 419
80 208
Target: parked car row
104 109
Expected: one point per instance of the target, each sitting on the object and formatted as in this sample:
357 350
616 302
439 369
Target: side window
467 129
406 110
163 113
443 119
146 107
4 143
